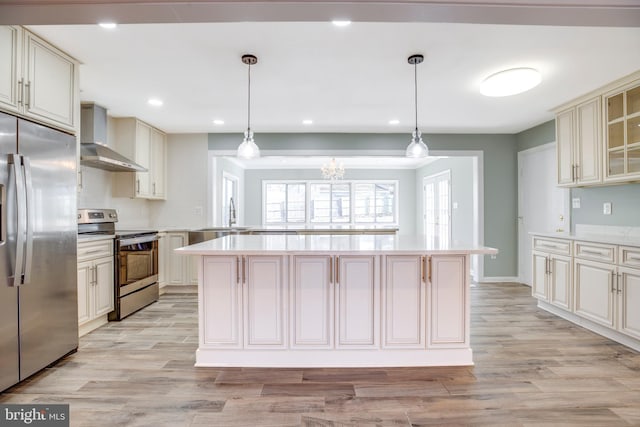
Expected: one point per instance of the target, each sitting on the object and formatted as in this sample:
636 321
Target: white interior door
542 205
437 208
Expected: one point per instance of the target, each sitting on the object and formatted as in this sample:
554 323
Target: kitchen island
332 301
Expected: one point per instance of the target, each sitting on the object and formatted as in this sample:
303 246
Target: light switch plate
575 203
606 208
455 205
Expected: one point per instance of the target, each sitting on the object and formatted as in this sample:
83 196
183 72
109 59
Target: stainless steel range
136 260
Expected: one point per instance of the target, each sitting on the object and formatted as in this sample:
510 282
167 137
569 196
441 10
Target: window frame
352 185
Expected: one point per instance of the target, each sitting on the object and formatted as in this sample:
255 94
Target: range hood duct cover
93 137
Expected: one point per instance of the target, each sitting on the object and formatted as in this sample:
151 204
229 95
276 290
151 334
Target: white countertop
612 239
329 243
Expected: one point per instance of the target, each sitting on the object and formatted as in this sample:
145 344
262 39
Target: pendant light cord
249 102
415 86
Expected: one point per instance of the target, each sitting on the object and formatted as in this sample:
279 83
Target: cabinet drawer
595 252
95 249
629 257
556 246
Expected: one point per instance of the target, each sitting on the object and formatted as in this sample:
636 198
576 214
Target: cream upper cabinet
37 80
146 146
579 144
622 148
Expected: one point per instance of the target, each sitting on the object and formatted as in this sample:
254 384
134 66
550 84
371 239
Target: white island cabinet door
403 303
266 287
560 282
311 302
448 294
357 301
221 301
595 291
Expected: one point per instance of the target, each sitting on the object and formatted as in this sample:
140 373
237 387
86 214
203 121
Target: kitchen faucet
232 212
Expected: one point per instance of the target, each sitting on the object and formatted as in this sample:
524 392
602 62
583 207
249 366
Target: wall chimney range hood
93 148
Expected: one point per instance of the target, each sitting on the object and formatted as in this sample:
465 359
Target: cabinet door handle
429 267
154 188
337 270
27 98
138 185
422 268
331 276
618 288
20 89
244 277
237 270
94 274
613 289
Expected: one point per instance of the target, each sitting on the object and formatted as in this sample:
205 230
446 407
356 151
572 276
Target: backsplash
609 230
625 205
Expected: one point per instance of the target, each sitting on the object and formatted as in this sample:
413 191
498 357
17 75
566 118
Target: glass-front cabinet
623 133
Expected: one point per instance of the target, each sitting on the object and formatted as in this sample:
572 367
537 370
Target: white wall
187 184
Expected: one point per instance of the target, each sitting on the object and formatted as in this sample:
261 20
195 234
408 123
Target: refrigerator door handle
3 214
16 161
30 216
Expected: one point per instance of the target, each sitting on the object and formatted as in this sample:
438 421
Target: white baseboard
498 279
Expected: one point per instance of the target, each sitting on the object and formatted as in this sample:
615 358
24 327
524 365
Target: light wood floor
531 369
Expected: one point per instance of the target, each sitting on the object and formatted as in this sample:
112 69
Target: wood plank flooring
532 369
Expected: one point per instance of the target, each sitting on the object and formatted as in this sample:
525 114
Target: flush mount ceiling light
156 102
218 122
307 122
108 25
394 122
416 148
510 82
248 149
341 22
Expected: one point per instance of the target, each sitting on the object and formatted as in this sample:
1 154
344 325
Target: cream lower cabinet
595 291
176 268
95 284
403 302
552 279
629 302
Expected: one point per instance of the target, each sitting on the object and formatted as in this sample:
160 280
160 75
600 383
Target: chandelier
248 148
417 148
332 170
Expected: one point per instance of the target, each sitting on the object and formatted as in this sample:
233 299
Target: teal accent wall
625 205
625 198
538 135
500 174
405 178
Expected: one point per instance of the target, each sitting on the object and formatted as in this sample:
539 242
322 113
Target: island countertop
335 244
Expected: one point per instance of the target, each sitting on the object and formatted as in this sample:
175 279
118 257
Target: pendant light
416 148
248 149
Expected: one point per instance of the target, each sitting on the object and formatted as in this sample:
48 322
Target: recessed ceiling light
307 122
155 102
108 25
341 22
510 82
218 122
394 122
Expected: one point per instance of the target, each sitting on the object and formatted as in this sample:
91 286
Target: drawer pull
633 257
595 251
552 245
93 251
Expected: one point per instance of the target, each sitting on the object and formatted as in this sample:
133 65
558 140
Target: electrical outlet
606 208
575 203
455 205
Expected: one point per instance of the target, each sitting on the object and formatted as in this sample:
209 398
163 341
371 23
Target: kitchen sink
210 233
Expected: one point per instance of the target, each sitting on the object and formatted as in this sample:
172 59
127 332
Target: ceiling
351 79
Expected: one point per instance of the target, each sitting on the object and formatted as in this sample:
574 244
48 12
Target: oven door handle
136 240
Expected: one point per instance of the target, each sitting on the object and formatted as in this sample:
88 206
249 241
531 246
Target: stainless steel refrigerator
38 237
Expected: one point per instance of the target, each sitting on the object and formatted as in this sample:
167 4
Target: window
322 202
284 203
